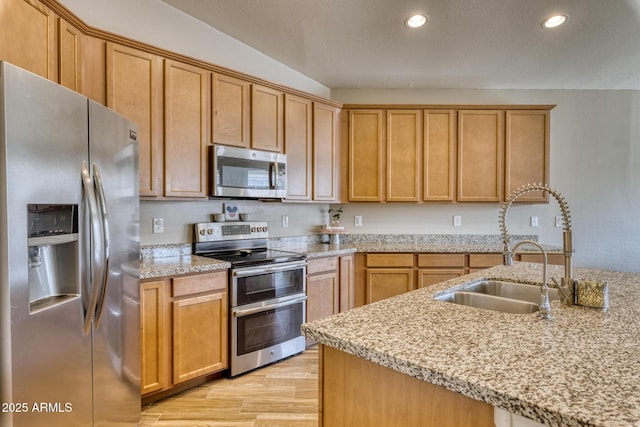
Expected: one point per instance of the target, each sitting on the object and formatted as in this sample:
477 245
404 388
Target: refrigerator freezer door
116 351
45 355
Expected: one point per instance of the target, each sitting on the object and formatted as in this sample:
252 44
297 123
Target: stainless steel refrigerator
69 251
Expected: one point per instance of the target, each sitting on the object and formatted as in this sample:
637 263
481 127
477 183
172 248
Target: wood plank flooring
284 394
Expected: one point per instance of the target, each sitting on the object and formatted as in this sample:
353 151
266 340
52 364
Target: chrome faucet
544 310
567 284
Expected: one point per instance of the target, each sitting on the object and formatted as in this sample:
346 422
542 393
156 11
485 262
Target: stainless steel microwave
245 173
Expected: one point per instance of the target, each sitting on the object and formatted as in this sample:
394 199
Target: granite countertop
581 368
151 268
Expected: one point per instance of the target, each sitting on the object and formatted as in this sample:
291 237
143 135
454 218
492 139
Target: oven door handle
241 272
250 311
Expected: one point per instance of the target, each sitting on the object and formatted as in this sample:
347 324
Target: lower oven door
266 333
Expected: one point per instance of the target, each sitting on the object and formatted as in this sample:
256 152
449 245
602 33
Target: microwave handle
273 175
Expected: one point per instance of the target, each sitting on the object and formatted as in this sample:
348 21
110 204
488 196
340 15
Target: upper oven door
240 172
253 285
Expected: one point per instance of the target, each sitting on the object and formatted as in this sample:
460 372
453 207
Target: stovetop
251 257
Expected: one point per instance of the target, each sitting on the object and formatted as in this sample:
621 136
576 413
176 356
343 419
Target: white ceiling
466 44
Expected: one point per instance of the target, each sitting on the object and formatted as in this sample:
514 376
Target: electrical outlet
559 222
534 221
357 220
457 221
285 221
158 225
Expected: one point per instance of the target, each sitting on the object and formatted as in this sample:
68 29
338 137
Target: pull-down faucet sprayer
567 283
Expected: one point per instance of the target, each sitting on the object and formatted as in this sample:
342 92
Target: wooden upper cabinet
134 89
325 147
404 140
365 155
69 56
298 146
480 141
28 37
526 152
186 94
231 111
439 156
266 118
93 70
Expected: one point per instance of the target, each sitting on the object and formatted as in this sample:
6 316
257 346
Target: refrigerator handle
102 206
96 249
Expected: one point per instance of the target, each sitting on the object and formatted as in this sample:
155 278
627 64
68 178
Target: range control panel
216 231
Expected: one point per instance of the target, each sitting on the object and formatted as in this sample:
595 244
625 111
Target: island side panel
356 392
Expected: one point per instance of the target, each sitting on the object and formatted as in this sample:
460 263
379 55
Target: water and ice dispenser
53 255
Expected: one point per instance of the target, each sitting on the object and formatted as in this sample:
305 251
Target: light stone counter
581 368
151 268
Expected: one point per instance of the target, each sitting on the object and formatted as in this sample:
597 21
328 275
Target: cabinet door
347 300
323 296
526 152
93 71
266 118
298 146
480 140
430 276
134 89
365 155
385 283
199 336
325 146
153 337
28 37
439 156
481 261
69 59
404 140
231 111
186 92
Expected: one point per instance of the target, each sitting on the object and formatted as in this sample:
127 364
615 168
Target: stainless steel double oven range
267 292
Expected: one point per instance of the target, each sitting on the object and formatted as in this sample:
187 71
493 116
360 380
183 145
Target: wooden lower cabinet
184 328
383 275
384 283
329 286
388 275
357 392
436 268
153 336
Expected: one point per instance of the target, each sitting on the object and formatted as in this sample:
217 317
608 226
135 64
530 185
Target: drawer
484 260
389 260
441 260
199 283
557 259
321 265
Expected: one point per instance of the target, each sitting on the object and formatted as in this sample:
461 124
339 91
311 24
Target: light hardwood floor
284 394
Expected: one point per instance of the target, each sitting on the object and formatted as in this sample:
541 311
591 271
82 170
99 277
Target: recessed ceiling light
416 21
554 21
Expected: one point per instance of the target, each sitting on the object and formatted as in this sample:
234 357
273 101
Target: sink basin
507 297
512 290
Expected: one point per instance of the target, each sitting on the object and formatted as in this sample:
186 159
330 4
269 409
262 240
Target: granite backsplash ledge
411 239
184 249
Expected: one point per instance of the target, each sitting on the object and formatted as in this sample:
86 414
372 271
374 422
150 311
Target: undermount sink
507 297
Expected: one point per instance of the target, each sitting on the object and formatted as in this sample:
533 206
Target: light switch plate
457 221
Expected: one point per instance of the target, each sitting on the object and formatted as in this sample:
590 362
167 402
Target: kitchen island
581 368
